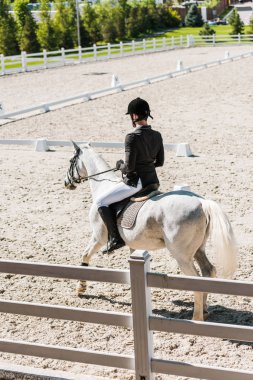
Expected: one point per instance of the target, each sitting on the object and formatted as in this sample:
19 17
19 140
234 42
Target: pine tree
193 17
26 27
206 30
8 40
45 31
236 23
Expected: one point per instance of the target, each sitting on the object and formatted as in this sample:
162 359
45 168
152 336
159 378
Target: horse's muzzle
69 186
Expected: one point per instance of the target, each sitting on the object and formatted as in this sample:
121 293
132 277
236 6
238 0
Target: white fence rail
50 59
180 70
43 145
141 320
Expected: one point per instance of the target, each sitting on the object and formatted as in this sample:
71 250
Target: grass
184 31
194 31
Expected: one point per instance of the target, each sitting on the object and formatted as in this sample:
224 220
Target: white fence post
172 42
239 38
121 49
1 109
45 58
109 50
214 39
133 46
23 58
141 308
63 55
2 65
95 52
164 42
181 41
188 40
154 44
80 53
144 44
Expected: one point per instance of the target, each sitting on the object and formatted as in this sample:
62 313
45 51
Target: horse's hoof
81 289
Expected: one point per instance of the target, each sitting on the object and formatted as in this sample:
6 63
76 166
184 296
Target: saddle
127 210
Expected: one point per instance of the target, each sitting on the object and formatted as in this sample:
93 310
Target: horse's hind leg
92 248
207 270
189 269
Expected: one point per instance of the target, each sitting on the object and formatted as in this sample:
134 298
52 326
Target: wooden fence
141 320
46 59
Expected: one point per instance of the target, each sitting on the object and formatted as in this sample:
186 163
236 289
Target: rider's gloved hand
119 163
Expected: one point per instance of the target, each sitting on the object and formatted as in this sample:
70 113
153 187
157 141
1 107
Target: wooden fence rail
142 321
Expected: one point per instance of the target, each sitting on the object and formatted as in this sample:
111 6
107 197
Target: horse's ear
77 148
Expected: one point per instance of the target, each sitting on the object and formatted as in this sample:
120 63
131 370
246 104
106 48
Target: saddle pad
128 216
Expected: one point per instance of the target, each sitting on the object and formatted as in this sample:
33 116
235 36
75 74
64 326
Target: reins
73 167
94 175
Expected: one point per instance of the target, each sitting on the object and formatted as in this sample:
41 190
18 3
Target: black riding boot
115 241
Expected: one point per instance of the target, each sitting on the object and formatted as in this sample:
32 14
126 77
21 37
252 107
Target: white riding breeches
119 192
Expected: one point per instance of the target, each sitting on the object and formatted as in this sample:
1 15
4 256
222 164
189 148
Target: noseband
73 167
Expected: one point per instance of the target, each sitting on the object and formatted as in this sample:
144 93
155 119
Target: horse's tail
222 237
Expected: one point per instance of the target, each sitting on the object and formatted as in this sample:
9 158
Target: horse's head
77 171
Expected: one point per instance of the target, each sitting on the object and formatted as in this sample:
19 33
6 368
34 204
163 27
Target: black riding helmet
139 107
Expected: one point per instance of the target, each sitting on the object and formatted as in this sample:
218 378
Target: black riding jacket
144 151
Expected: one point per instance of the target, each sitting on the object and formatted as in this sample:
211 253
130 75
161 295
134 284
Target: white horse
181 221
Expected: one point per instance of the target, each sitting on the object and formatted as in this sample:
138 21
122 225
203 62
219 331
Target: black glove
119 163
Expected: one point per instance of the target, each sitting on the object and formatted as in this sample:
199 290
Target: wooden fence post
141 309
23 59
2 65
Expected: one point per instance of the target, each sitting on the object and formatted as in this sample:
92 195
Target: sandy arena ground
43 222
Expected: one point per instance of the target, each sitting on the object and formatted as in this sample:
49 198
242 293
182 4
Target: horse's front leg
92 248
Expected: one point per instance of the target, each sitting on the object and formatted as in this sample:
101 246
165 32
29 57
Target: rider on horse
144 152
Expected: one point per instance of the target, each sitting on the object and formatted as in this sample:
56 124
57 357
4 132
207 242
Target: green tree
63 24
105 13
168 17
26 27
206 30
133 23
250 31
236 23
89 19
193 17
45 31
8 40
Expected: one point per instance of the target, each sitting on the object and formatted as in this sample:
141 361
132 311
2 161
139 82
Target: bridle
73 167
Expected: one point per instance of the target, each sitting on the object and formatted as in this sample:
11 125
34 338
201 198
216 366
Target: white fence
48 59
141 320
43 145
180 70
